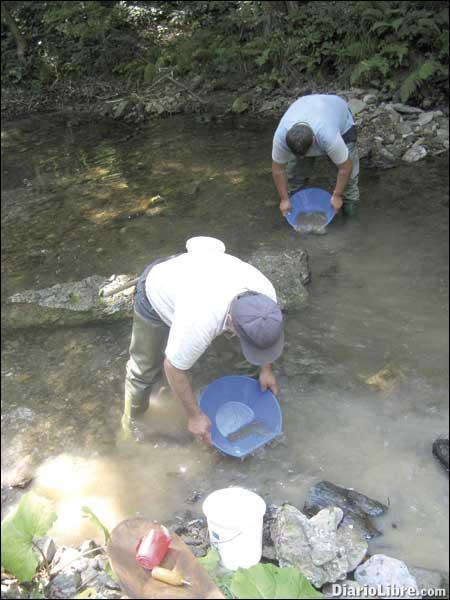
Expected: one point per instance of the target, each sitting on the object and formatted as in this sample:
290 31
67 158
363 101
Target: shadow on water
81 198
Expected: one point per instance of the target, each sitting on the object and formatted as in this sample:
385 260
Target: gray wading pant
299 171
148 343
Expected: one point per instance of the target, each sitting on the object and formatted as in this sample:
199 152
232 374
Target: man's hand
285 206
200 427
336 202
267 380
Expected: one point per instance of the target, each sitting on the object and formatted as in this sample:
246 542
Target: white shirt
327 115
192 294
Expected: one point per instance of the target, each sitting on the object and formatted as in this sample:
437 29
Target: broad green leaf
96 521
32 518
269 581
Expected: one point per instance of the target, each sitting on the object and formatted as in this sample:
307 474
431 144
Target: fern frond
376 63
417 77
398 49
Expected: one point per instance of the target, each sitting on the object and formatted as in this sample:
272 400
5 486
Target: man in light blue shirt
313 126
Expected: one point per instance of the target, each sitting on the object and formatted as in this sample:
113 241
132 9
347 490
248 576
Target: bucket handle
217 542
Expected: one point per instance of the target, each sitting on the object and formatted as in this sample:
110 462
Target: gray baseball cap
258 321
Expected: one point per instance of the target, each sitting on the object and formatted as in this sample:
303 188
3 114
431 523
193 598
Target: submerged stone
358 509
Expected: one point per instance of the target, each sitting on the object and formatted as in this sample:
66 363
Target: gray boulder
67 304
65 584
405 109
359 510
318 547
387 573
425 118
288 271
357 106
79 301
415 153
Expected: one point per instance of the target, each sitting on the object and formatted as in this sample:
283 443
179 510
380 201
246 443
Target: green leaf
221 577
88 513
109 571
418 76
32 518
269 581
210 562
87 593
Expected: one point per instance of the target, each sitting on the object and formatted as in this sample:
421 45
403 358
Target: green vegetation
401 46
31 520
89 514
260 581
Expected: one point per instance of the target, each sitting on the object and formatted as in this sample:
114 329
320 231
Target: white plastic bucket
235 525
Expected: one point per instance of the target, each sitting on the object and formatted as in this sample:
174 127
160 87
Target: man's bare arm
198 423
281 183
344 172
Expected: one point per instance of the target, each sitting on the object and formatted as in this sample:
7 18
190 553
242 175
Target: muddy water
82 198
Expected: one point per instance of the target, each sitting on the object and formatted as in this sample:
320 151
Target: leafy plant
269 581
32 519
89 514
260 581
222 577
425 71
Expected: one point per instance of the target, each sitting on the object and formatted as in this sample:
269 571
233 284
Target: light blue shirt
327 115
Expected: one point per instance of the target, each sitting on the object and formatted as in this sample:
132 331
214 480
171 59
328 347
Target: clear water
79 198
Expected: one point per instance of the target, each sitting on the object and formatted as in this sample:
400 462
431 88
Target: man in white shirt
182 304
313 126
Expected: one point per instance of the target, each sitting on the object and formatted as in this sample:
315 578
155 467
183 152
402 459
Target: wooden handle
167 576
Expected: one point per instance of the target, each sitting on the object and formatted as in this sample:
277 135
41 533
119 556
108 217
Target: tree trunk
20 40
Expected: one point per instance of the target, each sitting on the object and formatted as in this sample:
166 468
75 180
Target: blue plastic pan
243 418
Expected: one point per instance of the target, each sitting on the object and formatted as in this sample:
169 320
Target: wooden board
138 582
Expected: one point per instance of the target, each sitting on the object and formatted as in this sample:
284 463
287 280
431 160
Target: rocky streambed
328 540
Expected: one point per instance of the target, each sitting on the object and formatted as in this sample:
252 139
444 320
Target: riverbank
389 132
80 194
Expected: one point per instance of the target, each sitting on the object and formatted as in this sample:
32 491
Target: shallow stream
83 197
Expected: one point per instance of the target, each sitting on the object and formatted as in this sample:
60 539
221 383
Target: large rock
318 547
405 109
79 301
357 106
288 271
415 153
358 509
65 585
425 118
67 304
388 574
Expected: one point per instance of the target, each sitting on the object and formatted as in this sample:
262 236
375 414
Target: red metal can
153 547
